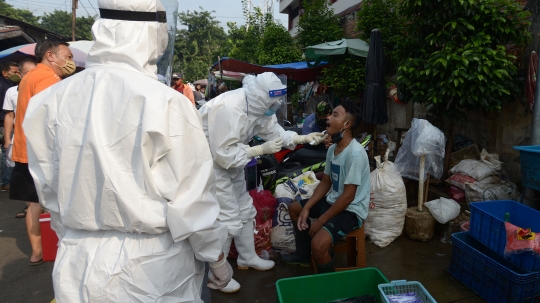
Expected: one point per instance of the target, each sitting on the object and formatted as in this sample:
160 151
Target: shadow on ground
402 260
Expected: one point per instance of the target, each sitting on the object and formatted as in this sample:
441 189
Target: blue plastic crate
530 166
490 276
402 287
487 226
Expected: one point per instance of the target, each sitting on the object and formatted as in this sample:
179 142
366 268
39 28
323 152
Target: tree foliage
383 15
244 41
318 24
277 46
457 57
60 22
261 40
346 75
198 43
20 14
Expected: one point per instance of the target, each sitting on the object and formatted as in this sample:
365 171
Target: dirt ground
402 260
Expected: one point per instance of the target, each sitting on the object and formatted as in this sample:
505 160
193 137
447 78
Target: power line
86 10
93 7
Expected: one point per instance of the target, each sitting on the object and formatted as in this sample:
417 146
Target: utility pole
74 4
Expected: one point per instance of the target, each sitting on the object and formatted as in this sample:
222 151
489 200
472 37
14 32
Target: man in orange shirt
178 84
55 62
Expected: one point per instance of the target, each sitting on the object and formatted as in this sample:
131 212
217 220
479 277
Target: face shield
279 97
165 64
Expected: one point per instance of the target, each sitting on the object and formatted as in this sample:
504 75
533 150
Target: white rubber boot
245 245
233 286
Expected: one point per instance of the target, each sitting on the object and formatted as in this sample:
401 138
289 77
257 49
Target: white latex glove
220 274
266 148
313 139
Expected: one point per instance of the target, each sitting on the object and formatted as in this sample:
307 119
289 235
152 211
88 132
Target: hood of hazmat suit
122 163
229 122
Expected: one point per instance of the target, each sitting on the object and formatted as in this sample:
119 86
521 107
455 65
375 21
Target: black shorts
340 225
21 184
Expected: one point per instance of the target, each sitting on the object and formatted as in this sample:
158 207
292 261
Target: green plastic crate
333 286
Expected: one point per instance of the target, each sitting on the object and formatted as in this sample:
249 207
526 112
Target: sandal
36 263
22 213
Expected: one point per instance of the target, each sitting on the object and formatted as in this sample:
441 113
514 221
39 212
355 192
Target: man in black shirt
11 76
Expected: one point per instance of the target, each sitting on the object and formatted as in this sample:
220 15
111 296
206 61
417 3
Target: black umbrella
374 101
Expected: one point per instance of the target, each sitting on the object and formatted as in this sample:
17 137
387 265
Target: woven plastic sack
459 180
477 170
385 222
422 139
520 240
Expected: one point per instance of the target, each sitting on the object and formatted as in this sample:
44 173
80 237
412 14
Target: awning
297 71
320 52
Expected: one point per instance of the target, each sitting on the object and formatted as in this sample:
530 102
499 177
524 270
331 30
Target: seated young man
345 207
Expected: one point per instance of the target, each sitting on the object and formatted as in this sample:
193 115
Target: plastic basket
530 166
489 275
401 287
332 286
487 226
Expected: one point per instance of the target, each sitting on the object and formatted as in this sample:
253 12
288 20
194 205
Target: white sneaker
245 245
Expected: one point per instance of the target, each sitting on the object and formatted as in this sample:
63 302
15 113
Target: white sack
385 222
473 168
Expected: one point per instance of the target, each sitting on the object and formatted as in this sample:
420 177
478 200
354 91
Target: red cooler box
49 240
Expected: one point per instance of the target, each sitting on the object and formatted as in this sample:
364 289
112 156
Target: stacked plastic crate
478 259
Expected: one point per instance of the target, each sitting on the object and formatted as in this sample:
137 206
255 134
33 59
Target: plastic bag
456 194
520 240
475 169
265 204
385 222
443 210
422 139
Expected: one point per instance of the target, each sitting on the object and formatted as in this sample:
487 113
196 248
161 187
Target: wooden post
421 182
74 4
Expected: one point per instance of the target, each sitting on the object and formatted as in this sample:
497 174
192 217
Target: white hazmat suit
229 122
121 162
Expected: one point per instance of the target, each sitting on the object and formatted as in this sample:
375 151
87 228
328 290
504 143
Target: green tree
277 46
318 24
457 57
346 75
20 14
198 43
383 15
244 41
60 22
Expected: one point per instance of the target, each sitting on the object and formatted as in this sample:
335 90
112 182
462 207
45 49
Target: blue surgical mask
270 112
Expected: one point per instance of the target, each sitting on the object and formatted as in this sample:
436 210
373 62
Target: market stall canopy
297 71
20 52
320 52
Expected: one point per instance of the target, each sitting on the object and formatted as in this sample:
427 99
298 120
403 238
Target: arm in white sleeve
185 177
271 130
43 161
226 132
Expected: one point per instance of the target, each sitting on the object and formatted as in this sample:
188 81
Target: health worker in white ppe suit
229 122
117 158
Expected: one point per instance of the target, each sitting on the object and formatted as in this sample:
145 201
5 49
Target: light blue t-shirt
351 166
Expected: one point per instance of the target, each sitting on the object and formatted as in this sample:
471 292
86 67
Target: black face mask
336 138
